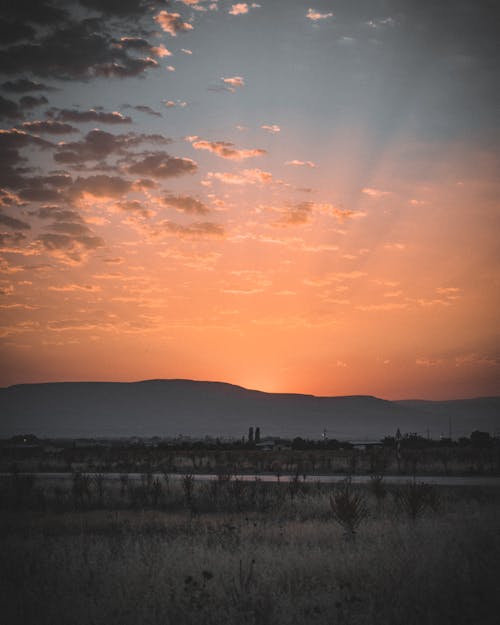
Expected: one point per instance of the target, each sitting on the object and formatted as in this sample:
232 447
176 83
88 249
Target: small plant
349 509
294 485
415 497
377 486
188 488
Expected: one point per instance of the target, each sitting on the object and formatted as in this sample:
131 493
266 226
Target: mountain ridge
171 407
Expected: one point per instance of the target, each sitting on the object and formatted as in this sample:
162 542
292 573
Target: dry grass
287 564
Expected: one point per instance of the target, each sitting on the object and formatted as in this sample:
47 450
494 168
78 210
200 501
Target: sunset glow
307 204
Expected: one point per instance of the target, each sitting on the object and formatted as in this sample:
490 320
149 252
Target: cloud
297 163
374 192
233 82
229 84
172 23
69 288
314 15
120 8
382 307
296 215
341 214
194 230
69 247
30 101
56 213
99 144
138 43
23 85
239 9
72 115
162 165
15 110
273 129
136 207
49 126
172 104
143 108
13 223
247 176
101 185
9 109
76 49
224 149
185 203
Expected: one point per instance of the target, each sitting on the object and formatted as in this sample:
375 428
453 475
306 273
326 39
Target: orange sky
315 249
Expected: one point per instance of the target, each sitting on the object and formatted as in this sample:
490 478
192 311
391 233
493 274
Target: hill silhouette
193 408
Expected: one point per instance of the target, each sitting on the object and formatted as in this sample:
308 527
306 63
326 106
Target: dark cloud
57 214
122 8
30 101
13 223
67 115
78 50
70 227
9 109
14 110
99 144
101 185
49 126
147 109
11 240
55 241
162 165
23 85
134 43
133 206
12 31
39 194
33 11
185 203
11 143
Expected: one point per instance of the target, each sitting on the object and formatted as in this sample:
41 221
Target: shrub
349 509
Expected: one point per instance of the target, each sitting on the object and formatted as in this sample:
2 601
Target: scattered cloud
162 165
173 103
13 222
315 16
298 163
185 203
242 8
23 85
92 115
193 230
273 129
172 23
48 126
247 176
225 149
296 215
374 192
143 108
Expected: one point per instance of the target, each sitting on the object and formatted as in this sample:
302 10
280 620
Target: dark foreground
227 552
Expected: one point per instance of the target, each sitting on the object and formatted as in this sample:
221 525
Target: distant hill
187 407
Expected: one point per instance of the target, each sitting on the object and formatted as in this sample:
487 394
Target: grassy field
227 552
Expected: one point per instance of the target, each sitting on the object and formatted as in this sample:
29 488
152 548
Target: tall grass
281 560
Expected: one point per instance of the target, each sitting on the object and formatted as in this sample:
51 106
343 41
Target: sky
290 196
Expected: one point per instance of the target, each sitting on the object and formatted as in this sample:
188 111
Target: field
227 552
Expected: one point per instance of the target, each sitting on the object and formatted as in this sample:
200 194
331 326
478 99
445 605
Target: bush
349 509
